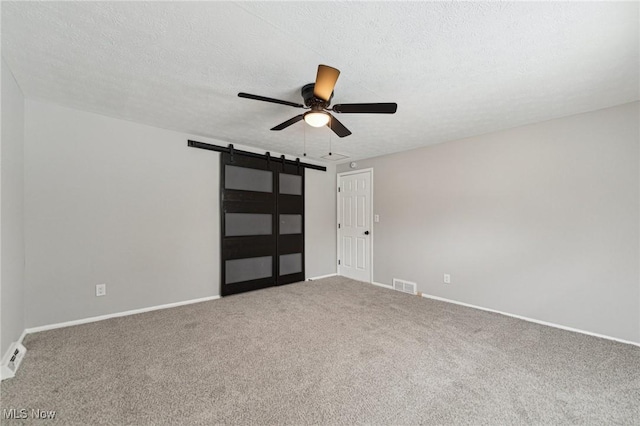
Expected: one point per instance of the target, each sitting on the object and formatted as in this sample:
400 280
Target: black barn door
290 208
262 223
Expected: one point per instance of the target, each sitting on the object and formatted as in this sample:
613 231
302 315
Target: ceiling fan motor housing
310 100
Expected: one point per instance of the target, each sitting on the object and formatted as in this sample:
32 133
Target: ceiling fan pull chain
330 123
304 132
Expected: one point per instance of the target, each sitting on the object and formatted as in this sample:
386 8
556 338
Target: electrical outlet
101 289
447 279
376 218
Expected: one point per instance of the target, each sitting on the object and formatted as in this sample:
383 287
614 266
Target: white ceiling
455 69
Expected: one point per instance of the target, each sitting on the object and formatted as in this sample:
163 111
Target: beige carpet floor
333 351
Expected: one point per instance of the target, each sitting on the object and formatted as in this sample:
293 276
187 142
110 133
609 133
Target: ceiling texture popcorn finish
455 69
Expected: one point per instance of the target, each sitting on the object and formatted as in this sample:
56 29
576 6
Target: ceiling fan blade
289 122
380 108
272 100
325 82
337 127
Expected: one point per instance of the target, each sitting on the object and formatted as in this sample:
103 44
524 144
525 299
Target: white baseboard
382 285
321 277
24 333
548 324
117 314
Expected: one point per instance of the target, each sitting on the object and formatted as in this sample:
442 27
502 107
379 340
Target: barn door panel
262 223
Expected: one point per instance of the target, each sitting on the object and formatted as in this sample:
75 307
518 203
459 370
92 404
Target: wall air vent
14 357
404 286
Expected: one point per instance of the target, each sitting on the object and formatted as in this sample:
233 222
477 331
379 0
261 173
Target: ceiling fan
317 98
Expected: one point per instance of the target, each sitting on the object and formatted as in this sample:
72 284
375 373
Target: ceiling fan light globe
316 118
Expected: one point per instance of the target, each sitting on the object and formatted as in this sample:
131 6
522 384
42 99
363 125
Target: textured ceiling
455 69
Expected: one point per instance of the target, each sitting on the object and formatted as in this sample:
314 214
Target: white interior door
354 225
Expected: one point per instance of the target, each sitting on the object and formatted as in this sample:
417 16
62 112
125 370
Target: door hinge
338 226
338 189
338 261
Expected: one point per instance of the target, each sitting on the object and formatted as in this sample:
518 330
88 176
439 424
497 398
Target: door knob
366 232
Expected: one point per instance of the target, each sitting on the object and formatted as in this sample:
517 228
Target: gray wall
320 221
116 202
12 212
540 221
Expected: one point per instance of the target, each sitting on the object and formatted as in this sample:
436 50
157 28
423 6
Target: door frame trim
372 234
